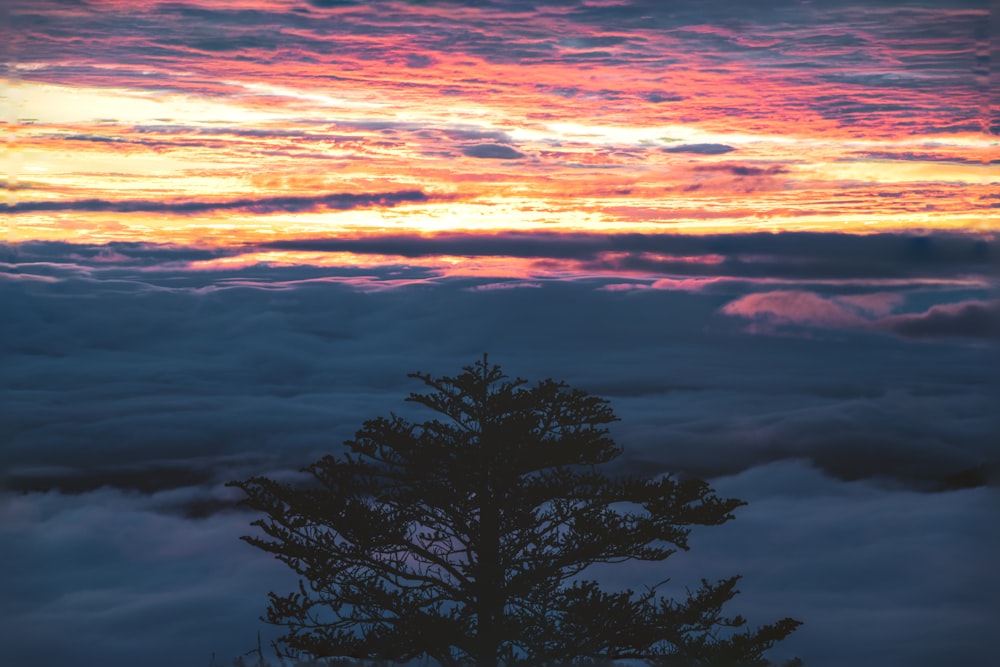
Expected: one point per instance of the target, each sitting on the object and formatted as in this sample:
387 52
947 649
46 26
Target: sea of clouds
853 411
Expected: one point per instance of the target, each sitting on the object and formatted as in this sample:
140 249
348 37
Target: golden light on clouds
504 121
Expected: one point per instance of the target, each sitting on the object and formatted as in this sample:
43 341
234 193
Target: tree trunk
489 577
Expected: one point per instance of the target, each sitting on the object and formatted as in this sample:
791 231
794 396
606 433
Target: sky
767 232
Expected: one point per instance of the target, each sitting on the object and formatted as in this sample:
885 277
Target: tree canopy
467 538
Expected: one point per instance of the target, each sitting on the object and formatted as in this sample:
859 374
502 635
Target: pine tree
466 538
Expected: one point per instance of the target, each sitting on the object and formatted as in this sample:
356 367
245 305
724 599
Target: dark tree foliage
466 538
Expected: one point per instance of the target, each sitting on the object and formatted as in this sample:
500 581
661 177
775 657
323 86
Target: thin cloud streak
263 205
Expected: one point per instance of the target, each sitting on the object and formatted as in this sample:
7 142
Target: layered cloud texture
171 340
765 231
847 398
626 116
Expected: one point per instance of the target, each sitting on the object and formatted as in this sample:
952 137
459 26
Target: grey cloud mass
700 149
975 319
492 152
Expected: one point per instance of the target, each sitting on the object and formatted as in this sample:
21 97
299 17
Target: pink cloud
622 287
872 312
878 304
685 284
798 307
508 285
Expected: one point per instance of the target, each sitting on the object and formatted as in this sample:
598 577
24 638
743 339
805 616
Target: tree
466 538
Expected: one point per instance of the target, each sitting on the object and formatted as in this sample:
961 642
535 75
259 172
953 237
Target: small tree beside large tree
466 538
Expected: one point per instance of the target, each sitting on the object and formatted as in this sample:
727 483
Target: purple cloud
700 149
492 152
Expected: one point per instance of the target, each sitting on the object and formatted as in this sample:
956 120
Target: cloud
125 583
850 266
333 4
744 170
787 254
128 584
874 304
968 319
700 149
877 550
870 312
469 245
492 151
142 382
794 62
419 60
146 479
796 307
922 157
657 97
262 205
160 382
865 276
137 376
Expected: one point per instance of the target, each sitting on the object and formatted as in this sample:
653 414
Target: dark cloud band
975 319
803 255
700 149
290 204
492 152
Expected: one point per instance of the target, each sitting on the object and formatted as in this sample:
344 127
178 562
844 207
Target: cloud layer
138 378
195 353
829 116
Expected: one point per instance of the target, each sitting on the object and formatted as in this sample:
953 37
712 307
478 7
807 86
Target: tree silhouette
466 539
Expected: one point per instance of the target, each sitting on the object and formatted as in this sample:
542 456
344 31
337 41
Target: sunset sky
767 231
229 123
